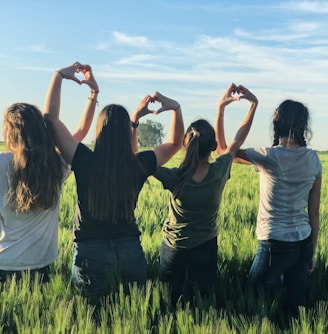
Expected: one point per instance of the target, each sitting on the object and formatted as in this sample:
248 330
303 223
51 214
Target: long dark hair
36 174
112 185
199 141
291 120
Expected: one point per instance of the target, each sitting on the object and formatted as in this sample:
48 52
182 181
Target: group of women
42 153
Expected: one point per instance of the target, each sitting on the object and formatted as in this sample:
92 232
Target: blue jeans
99 265
197 266
279 264
42 274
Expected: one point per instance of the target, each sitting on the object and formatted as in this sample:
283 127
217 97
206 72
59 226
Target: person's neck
288 142
201 171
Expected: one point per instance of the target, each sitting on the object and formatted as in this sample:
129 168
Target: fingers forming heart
156 106
236 92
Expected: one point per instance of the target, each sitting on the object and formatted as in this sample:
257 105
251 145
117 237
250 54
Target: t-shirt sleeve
148 160
168 177
224 162
258 157
66 168
318 165
81 156
5 163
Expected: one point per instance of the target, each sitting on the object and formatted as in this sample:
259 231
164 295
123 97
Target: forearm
219 131
87 116
246 124
52 103
314 210
134 131
176 129
315 223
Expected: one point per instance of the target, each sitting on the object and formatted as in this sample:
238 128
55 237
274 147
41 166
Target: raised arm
166 150
90 107
65 141
141 110
227 98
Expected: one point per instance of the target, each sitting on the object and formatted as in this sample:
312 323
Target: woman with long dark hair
31 176
189 250
288 216
109 179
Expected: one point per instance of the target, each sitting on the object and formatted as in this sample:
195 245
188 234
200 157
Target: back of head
291 120
111 184
200 135
36 173
199 141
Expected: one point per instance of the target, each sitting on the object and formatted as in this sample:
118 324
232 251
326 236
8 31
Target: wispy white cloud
136 41
101 46
316 7
140 59
36 48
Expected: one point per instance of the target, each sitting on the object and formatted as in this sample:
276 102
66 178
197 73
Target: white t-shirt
286 177
27 241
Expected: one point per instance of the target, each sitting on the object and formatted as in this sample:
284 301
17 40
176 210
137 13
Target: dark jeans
41 273
99 265
195 266
279 264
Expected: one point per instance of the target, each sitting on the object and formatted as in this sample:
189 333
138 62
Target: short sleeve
81 156
168 177
148 160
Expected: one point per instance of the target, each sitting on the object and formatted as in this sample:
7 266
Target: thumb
76 80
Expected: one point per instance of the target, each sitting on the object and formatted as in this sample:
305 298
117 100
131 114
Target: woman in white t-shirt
31 176
288 216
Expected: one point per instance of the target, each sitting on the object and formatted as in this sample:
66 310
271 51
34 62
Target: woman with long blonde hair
31 176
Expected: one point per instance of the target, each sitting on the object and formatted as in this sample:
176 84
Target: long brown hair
112 184
199 141
291 120
36 174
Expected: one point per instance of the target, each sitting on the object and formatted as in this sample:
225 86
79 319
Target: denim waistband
282 243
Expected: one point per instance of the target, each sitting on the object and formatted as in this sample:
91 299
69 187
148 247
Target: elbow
219 150
177 146
48 118
177 143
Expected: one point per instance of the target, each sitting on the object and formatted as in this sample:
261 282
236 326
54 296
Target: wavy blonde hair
36 174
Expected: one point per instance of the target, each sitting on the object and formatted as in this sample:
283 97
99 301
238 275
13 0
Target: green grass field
57 308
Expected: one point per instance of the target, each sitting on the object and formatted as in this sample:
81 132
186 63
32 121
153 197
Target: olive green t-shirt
192 218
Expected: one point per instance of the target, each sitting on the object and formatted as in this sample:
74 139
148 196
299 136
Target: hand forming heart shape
155 106
236 92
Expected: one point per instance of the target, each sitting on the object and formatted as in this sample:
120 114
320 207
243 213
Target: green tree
150 133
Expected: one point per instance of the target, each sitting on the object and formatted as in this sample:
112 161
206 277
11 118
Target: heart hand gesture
143 107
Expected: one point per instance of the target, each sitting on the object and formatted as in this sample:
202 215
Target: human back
288 217
196 188
287 176
109 178
113 186
31 175
36 173
189 250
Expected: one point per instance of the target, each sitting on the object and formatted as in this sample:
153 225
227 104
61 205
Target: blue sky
188 50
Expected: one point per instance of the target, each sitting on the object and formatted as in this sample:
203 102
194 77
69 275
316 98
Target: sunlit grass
57 308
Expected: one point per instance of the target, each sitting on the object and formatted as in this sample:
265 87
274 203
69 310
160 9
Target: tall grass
56 307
